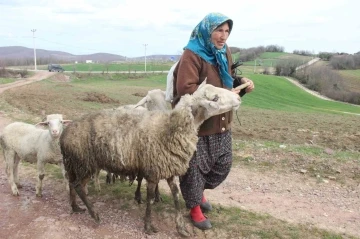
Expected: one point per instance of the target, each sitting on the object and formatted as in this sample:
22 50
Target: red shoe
198 219
205 205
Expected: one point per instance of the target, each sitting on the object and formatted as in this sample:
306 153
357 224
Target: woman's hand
251 84
245 82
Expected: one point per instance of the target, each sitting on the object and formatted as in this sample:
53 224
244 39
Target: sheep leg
16 171
66 181
108 177
149 228
138 197
179 220
79 188
96 181
9 156
41 175
74 206
122 178
157 194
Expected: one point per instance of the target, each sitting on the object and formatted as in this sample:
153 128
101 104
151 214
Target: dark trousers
209 167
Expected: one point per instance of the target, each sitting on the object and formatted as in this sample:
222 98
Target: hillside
22 53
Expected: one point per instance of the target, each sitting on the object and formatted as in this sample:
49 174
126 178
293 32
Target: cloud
122 26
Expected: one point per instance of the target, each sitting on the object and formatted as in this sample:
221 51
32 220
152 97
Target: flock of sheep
142 141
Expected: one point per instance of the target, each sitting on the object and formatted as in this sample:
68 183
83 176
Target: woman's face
220 35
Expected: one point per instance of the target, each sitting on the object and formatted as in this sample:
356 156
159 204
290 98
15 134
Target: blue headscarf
200 43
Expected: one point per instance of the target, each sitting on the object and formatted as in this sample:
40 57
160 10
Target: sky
135 28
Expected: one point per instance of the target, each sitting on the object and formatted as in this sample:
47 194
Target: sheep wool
157 144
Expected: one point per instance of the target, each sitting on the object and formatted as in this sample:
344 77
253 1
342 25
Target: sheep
158 144
32 144
154 100
170 83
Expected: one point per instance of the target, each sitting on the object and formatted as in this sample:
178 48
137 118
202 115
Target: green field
277 93
90 67
6 80
351 74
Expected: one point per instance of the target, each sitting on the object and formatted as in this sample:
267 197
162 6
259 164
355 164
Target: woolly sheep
170 83
154 100
33 144
159 144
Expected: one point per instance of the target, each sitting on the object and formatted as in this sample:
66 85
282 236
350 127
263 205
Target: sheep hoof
183 232
18 185
139 200
158 198
96 217
150 230
77 209
108 180
16 193
39 195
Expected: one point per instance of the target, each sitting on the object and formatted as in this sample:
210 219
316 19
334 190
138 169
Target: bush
287 67
345 62
327 82
6 73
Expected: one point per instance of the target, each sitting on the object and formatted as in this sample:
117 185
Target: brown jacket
188 74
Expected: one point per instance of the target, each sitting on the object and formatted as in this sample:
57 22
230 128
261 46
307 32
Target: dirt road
38 76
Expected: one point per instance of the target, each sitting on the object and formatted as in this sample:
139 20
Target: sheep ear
42 124
141 102
66 122
203 83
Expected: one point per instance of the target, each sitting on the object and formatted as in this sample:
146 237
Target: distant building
88 61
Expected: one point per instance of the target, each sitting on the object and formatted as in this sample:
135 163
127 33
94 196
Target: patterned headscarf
200 43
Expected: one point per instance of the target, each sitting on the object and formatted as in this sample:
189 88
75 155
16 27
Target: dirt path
293 197
38 76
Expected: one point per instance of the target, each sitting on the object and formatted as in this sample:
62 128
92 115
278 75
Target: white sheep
154 100
159 144
169 93
34 144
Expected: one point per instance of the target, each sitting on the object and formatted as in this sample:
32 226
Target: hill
23 53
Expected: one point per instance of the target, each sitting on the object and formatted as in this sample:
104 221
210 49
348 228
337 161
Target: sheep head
154 100
208 101
54 123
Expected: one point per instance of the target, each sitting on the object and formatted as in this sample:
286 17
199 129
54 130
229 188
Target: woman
207 56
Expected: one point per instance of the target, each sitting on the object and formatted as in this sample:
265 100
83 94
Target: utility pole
33 31
145 45
255 67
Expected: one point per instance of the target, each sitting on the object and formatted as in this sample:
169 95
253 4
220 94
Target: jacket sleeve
188 73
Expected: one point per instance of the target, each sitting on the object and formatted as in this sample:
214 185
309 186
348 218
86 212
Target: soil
290 195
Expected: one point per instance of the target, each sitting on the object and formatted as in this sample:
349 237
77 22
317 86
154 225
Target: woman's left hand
250 87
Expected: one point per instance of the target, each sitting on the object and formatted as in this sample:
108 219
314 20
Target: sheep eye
216 98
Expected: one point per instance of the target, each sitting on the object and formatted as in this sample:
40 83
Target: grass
83 67
276 93
245 224
269 60
351 79
6 80
231 222
271 92
353 74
